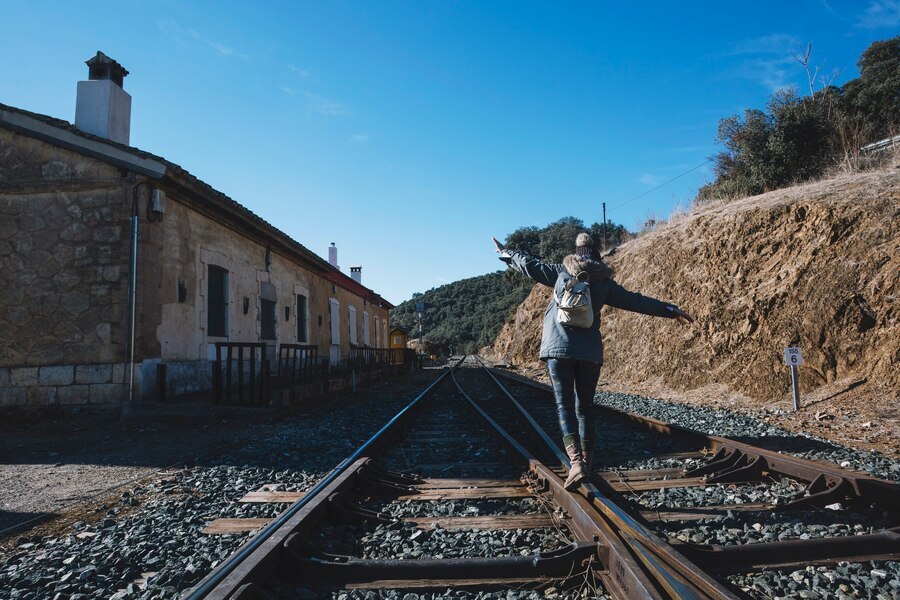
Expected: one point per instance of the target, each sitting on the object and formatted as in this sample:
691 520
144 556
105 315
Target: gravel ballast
754 431
156 550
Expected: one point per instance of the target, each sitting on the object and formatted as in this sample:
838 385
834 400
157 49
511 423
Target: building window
267 319
217 302
398 340
334 318
366 338
351 317
302 316
377 334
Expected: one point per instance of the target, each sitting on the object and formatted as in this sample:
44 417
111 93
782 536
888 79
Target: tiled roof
218 200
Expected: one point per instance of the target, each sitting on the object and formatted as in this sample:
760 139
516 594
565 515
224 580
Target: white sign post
793 357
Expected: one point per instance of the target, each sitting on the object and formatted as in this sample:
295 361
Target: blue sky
410 132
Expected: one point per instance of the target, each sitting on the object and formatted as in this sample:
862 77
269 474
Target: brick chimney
356 274
102 107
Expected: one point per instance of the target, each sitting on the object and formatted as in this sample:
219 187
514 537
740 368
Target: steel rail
680 577
220 573
736 461
624 576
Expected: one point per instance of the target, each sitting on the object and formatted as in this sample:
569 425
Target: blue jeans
574 385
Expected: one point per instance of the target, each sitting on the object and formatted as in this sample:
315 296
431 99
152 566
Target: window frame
263 305
302 317
223 303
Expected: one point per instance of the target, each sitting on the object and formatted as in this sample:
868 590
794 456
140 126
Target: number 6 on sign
793 357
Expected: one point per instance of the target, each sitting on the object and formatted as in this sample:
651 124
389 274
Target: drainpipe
132 295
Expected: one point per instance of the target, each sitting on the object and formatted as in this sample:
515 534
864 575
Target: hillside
814 266
466 314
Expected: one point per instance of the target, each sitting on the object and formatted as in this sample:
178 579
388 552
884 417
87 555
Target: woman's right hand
500 247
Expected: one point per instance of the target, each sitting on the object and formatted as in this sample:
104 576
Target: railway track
462 491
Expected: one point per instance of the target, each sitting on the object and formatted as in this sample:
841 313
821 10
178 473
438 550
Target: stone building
204 269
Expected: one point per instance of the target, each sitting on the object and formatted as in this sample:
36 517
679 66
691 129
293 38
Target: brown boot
587 451
577 472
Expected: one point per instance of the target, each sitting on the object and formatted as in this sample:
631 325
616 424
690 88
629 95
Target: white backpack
573 305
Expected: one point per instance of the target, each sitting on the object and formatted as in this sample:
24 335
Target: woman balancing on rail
571 344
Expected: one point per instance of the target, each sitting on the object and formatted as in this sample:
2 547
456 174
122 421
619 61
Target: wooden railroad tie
538 521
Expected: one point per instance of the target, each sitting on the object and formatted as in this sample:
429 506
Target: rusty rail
261 555
735 461
671 570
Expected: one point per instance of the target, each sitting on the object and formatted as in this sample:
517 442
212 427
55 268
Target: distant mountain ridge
465 314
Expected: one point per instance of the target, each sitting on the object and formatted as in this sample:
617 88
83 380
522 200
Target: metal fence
299 364
242 376
368 363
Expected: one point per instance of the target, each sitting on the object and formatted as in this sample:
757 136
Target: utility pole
420 311
604 226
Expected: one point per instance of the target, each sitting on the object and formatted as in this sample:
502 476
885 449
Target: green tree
797 138
873 99
468 314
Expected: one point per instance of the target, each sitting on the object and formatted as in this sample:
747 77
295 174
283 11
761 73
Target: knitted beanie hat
584 244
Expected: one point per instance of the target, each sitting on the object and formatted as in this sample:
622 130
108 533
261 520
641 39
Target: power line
665 183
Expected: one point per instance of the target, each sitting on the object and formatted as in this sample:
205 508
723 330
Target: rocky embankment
814 266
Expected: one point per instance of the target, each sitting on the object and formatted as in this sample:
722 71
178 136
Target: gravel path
457 508
156 550
753 431
875 580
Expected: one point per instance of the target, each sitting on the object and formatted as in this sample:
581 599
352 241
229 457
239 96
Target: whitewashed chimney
356 274
332 256
102 107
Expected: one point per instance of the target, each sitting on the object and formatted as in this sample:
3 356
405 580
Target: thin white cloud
768 60
190 36
326 107
774 43
880 14
287 90
705 148
300 72
360 138
648 179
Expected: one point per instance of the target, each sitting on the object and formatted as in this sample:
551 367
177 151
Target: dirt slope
815 266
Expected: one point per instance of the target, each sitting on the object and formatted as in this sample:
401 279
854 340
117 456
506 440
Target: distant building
399 337
205 269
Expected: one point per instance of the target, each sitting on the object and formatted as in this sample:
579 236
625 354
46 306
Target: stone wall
63 274
63 385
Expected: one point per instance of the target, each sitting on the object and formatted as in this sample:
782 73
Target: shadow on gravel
65 442
786 443
12 519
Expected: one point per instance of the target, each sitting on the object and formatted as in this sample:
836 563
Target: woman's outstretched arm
532 268
619 297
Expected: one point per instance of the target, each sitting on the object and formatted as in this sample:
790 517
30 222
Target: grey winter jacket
560 341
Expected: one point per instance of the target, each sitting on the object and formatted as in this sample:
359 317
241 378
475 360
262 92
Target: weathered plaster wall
63 272
177 252
180 249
